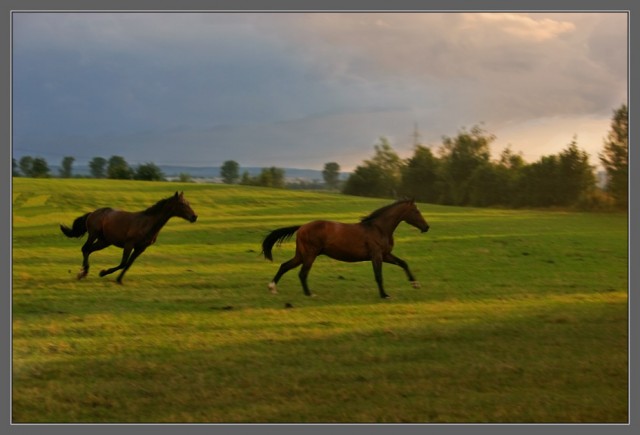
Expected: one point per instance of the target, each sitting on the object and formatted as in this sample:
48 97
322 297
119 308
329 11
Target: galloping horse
131 231
369 240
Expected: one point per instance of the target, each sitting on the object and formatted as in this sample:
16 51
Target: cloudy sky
301 89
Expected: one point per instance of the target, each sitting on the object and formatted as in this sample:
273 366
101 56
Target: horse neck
158 220
390 220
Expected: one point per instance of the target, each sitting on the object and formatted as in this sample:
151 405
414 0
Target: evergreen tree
576 177
615 157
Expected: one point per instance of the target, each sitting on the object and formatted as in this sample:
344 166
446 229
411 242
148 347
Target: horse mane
379 212
157 207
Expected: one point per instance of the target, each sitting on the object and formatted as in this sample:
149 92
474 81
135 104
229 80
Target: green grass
522 315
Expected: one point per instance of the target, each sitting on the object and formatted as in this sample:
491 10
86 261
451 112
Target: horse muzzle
193 218
424 229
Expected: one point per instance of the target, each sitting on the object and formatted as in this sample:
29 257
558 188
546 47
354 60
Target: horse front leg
136 253
392 259
377 271
304 273
126 253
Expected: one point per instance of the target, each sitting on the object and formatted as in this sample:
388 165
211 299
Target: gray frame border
288 5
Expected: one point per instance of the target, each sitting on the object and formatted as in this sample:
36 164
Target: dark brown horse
131 231
369 240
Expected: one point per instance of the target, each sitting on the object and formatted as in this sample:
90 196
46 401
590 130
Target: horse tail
79 227
278 236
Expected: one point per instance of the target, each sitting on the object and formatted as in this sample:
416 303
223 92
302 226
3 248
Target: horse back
345 242
114 226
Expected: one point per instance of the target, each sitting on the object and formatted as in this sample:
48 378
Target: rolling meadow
522 316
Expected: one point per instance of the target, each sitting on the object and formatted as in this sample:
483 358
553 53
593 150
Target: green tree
509 167
460 157
185 177
379 176
230 172
118 168
14 171
564 179
246 179
576 177
367 180
40 168
615 157
271 177
26 166
420 178
331 175
539 183
66 167
97 166
488 185
148 172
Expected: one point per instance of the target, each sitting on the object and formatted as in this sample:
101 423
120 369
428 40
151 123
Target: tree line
462 173
275 177
116 167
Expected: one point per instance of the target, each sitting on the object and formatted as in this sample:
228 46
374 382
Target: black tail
78 229
277 236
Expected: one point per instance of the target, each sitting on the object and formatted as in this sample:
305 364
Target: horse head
182 208
413 217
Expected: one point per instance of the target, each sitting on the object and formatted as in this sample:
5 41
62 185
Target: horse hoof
415 284
385 297
102 273
81 275
272 288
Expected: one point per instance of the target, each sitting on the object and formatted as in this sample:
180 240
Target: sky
298 90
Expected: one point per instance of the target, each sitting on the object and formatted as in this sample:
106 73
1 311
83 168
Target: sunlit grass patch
522 315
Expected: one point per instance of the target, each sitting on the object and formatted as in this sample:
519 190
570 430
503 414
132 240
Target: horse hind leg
284 268
92 244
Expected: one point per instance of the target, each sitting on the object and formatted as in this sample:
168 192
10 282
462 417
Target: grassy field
522 315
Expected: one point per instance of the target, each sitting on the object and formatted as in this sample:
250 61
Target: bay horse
132 231
369 240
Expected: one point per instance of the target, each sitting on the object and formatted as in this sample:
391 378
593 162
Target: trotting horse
369 240
131 231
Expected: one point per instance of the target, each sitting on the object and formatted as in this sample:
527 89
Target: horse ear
176 195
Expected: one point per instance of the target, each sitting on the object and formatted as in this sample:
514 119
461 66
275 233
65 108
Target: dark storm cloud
300 89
